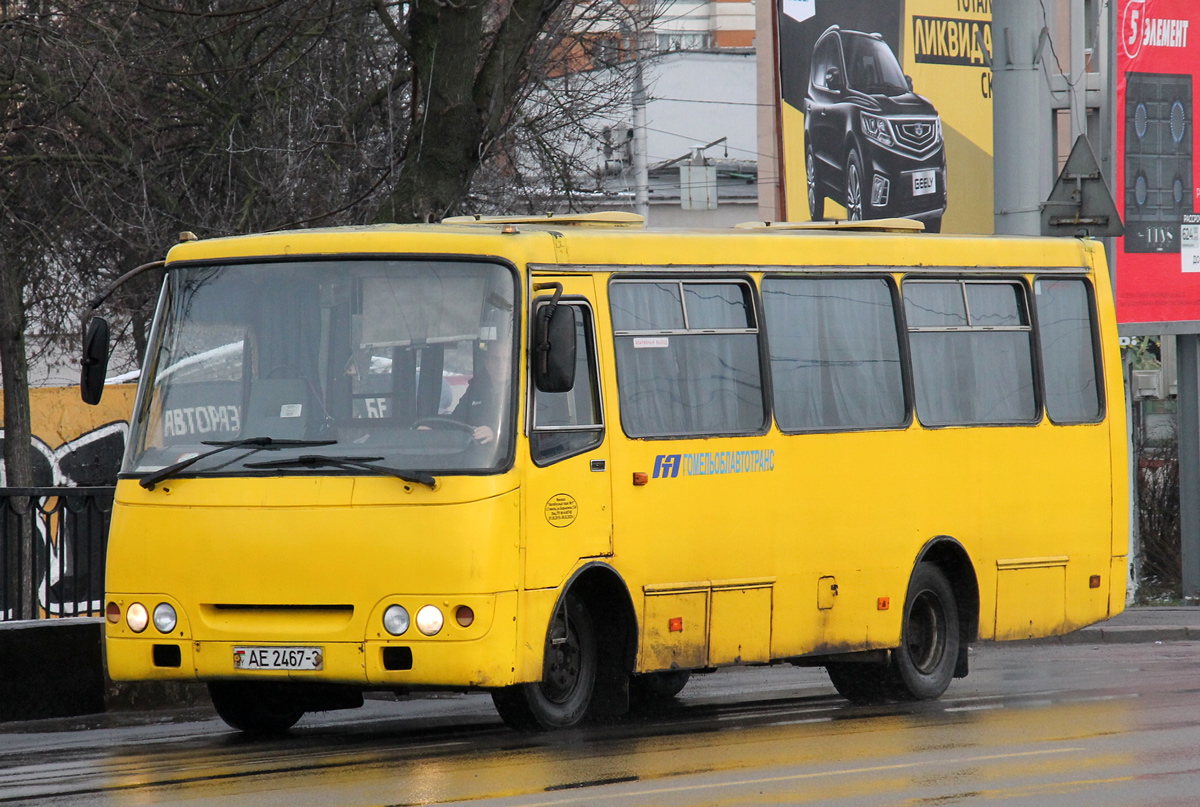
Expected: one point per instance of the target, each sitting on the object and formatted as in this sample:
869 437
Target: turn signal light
464 616
113 613
1094 582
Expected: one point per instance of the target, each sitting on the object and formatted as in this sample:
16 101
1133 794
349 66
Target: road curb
1125 634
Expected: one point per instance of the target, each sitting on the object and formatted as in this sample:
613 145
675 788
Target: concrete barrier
51 668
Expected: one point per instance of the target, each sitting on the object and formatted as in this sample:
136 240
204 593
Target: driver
483 400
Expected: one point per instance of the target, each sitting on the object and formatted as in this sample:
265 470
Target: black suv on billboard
870 142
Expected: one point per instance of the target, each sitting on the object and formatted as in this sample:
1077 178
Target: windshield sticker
711 463
651 341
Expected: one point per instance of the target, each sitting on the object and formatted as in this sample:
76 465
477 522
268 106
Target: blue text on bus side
710 463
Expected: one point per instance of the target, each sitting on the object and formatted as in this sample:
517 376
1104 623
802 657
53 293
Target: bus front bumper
384 663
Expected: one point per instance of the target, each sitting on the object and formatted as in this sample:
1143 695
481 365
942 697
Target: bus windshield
407 364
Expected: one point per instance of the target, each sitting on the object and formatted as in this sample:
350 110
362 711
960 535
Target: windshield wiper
148 482
350 463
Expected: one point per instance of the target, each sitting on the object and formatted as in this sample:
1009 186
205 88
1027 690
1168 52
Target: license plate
924 182
278 658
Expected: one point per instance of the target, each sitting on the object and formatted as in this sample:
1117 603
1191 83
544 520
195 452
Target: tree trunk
14 375
18 451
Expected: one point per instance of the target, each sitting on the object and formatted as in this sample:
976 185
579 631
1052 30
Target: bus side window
835 353
570 423
687 356
1067 331
971 352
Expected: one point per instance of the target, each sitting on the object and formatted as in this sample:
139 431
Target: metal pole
1077 81
641 175
1024 171
1189 462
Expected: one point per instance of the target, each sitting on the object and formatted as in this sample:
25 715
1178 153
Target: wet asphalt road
1032 725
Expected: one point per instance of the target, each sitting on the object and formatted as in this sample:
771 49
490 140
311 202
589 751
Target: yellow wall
59 416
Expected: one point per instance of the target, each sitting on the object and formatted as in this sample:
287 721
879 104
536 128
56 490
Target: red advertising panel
1158 259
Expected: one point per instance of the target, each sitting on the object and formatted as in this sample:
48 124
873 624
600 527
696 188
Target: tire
922 667
561 699
854 187
258 708
929 639
649 690
862 682
816 201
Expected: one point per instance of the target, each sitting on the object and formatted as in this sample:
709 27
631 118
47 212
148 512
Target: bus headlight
429 620
395 620
137 617
164 617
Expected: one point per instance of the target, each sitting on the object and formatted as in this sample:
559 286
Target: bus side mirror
554 349
95 361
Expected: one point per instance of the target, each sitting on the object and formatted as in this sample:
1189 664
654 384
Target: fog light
429 620
164 617
464 616
137 617
880 188
395 620
113 613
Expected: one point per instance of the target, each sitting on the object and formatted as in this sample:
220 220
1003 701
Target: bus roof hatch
610 218
872 225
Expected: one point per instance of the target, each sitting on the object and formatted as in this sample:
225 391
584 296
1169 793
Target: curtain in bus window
715 306
968 377
288 359
971 374
675 381
835 355
1068 350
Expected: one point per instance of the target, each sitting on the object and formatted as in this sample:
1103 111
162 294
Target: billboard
885 110
1158 258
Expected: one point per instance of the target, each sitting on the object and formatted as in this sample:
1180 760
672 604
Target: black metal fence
52 543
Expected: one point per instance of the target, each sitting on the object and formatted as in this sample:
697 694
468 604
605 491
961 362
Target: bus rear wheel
255 707
922 667
652 689
863 682
561 699
925 661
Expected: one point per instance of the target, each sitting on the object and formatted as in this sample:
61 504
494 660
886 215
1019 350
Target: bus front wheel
255 707
562 697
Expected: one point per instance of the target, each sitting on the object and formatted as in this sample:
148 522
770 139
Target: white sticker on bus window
651 341
290 410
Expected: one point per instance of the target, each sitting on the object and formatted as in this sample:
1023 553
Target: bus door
568 494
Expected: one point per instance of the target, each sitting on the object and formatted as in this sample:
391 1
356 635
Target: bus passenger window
569 423
971 352
835 353
1066 332
687 357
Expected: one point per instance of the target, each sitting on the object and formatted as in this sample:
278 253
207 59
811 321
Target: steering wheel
442 422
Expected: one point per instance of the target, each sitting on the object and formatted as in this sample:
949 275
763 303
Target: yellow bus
571 461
